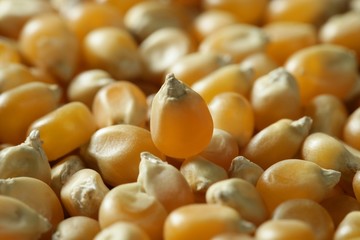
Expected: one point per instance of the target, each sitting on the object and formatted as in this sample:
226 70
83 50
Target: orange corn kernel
120 102
22 105
65 129
181 125
204 221
115 152
42 42
233 113
295 178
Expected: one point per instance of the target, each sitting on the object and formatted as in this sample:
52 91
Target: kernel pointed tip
174 87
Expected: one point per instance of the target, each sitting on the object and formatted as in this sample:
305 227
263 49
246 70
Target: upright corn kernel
181 125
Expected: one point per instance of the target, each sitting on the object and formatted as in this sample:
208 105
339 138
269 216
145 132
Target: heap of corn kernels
179 119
